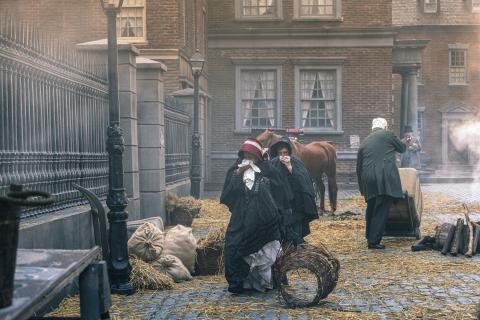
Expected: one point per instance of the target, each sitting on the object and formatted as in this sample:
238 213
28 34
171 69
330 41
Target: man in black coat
378 178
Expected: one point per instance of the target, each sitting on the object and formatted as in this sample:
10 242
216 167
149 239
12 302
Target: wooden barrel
441 235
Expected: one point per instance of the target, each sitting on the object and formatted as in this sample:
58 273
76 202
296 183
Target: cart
405 214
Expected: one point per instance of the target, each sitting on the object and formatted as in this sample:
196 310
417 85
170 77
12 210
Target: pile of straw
212 215
214 239
145 276
190 204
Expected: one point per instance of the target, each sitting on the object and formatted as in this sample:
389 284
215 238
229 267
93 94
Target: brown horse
319 157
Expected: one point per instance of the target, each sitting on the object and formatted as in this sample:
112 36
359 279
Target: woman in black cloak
299 191
252 240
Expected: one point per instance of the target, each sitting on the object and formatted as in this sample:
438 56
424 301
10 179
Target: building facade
327 67
448 80
321 66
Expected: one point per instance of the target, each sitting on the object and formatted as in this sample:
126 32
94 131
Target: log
457 238
448 240
476 239
469 252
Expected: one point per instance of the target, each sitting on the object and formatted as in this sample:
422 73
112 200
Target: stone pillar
412 111
128 116
151 138
127 84
185 96
403 103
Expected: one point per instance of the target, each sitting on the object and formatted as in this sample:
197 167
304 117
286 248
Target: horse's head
267 138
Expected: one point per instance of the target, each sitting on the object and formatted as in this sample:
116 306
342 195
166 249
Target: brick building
448 79
324 67
167 30
327 67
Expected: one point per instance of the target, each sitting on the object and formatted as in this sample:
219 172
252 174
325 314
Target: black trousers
376 216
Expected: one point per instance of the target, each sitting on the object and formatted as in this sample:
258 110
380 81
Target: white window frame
298 112
475 6
457 47
434 5
336 16
238 93
144 19
277 16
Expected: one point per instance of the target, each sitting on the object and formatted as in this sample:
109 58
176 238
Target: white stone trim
339 110
312 41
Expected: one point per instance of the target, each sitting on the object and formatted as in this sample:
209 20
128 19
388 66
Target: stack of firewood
462 238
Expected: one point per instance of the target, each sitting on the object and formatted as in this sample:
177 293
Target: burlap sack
181 243
133 225
147 242
173 267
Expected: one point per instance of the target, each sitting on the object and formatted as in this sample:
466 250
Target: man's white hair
379 123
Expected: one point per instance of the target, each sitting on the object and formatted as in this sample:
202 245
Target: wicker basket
181 215
209 261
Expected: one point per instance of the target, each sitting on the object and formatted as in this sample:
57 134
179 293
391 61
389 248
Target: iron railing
53 116
177 141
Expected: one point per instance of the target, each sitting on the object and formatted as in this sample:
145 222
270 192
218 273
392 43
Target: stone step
455 167
446 179
448 173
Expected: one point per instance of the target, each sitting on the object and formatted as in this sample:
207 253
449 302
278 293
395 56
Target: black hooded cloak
255 218
302 195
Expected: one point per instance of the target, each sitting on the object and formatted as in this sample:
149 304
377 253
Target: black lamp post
196 62
118 264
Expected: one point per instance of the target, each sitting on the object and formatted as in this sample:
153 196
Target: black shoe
235 289
376 246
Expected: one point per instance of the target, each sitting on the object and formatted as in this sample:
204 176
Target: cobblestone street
401 284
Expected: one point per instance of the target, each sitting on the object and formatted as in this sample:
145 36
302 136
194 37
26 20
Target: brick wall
355 13
70 21
164 23
410 12
366 87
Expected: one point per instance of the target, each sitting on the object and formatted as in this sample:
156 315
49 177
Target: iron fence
177 141
53 116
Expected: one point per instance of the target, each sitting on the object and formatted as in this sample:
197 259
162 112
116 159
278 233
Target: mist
467 135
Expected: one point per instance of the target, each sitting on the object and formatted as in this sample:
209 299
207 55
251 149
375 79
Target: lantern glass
111 4
196 62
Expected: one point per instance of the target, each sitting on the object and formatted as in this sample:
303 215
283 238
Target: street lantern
112 4
196 62
118 265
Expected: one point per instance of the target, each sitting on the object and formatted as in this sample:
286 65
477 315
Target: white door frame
456 113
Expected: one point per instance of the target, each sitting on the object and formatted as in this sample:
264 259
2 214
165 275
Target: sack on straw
147 242
181 243
132 226
173 267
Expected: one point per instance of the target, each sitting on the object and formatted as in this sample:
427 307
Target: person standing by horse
252 240
378 178
298 189
411 157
